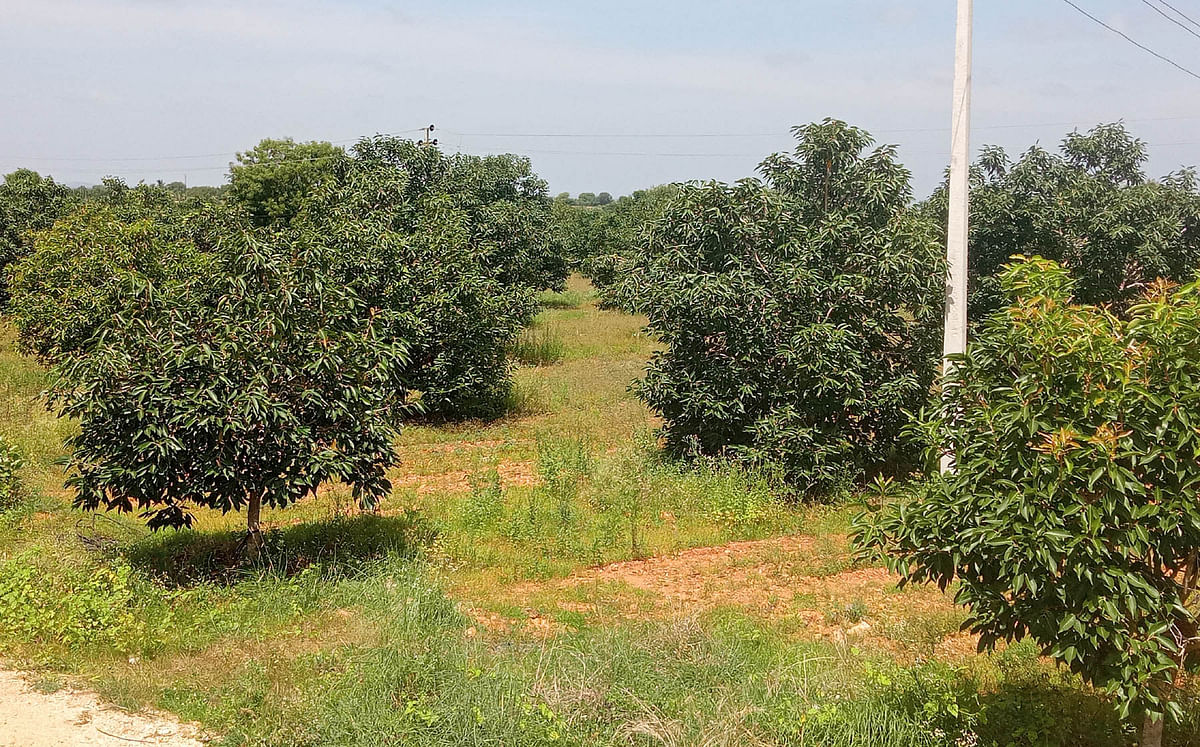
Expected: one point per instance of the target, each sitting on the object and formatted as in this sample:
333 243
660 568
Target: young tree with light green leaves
274 178
1072 515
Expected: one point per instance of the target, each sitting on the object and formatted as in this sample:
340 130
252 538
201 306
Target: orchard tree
249 384
272 180
76 277
798 318
29 203
509 212
456 247
1072 516
1089 207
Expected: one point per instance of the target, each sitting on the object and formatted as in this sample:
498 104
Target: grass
538 345
479 607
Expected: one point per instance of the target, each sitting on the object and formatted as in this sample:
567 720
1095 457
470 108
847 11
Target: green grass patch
539 345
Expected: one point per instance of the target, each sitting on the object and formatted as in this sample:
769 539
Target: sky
609 96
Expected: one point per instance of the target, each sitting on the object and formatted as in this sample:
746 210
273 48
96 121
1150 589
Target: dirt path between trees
77 718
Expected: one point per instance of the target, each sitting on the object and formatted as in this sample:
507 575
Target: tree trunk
254 539
1152 732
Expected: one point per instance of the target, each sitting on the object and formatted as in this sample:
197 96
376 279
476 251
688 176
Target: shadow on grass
1037 713
187 558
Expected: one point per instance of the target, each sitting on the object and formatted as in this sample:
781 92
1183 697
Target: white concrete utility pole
955 340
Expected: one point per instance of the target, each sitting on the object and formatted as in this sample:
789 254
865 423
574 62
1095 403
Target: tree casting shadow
188 557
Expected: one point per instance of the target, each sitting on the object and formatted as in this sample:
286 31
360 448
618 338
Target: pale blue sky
165 88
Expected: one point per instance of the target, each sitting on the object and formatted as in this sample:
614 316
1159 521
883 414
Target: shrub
105 607
484 508
1072 515
538 345
798 317
565 299
733 496
11 463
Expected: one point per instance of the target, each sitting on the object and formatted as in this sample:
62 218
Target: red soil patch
512 474
771 578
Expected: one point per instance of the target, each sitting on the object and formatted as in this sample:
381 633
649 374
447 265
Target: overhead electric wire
224 154
1181 14
1133 41
685 135
140 160
1175 21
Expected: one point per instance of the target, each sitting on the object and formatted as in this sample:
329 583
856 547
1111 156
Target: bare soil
29 718
777 579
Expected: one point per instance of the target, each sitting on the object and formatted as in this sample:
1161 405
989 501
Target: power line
684 136
603 153
224 154
1175 21
1181 14
598 135
561 135
1133 41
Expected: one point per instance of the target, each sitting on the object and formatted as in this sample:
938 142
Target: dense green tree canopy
75 277
1072 514
272 180
798 318
1089 207
29 203
456 246
248 382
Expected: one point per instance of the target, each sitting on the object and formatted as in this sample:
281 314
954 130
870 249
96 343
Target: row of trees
801 311
239 352
800 316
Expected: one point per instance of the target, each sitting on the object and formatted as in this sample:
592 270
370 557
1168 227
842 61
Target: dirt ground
30 718
790 578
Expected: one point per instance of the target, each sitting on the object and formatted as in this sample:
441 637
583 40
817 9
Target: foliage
183 193
736 497
455 247
485 507
798 318
1071 517
1088 207
274 178
29 203
79 273
564 299
11 463
106 607
587 199
250 384
597 241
